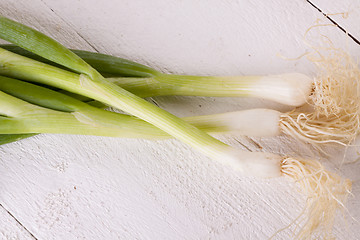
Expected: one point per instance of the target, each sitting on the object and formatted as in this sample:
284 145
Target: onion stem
291 89
105 64
72 114
91 84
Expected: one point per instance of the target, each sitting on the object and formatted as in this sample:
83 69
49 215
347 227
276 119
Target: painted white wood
345 13
10 229
77 187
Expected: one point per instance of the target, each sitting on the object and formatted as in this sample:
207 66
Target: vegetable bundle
46 88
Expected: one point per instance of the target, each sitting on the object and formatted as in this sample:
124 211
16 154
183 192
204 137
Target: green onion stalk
86 81
326 191
332 118
290 88
35 109
26 107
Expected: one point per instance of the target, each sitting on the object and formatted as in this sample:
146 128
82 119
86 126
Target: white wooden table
81 187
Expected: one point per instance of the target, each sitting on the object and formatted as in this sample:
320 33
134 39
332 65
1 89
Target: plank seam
27 230
334 22
82 37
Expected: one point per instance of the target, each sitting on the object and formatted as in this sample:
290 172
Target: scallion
323 188
334 119
27 108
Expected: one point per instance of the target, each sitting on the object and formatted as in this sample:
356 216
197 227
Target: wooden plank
69 187
344 13
10 229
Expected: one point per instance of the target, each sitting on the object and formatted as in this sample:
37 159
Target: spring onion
30 108
333 118
91 84
291 88
72 114
105 64
323 188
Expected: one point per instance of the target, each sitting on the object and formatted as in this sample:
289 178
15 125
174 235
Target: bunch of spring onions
76 86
